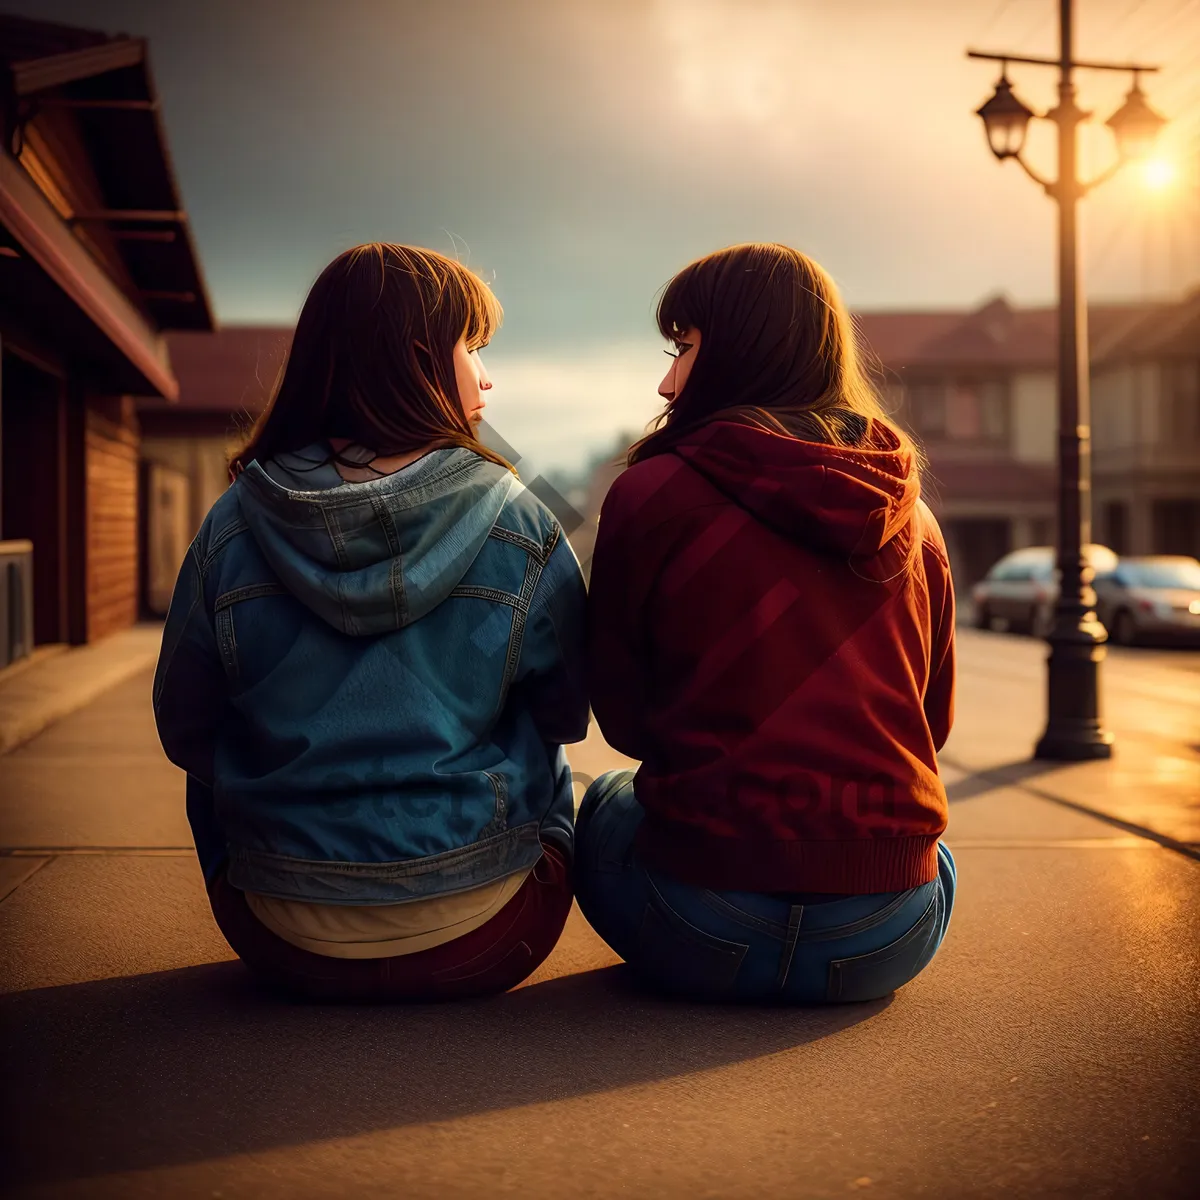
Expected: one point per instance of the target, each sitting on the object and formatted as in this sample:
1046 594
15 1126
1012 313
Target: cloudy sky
578 152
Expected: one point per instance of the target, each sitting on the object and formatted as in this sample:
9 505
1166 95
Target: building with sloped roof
1146 433
979 391
225 380
97 261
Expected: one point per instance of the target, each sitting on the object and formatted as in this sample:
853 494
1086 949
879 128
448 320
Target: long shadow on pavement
186 1065
979 783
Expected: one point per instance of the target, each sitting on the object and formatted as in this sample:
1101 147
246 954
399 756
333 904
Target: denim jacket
369 684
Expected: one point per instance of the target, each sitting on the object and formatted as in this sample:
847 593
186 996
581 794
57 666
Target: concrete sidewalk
1150 701
57 680
1050 1050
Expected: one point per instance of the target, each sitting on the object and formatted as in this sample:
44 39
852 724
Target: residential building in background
225 380
96 262
979 391
1146 434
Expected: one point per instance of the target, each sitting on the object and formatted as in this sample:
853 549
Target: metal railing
16 601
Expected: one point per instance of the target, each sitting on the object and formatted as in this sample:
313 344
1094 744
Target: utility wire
1183 110
1123 21
1000 10
1148 35
1045 19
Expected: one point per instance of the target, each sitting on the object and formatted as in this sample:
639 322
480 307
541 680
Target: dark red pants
491 959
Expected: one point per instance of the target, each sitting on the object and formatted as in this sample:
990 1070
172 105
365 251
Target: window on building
1042 531
1176 527
1181 403
993 406
977 411
928 404
961 410
963 422
1115 526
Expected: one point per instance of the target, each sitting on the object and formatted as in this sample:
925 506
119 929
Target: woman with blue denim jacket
373 658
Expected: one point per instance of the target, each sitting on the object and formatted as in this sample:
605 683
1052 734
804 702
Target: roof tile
232 370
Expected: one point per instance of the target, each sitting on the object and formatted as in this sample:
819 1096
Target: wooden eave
137 222
55 70
42 234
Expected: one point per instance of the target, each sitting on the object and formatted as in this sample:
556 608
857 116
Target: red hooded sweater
771 633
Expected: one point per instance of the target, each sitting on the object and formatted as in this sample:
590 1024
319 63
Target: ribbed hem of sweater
851 867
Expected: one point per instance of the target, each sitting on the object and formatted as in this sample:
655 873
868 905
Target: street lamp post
1073 727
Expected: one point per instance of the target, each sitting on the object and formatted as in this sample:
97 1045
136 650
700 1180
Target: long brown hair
778 350
372 358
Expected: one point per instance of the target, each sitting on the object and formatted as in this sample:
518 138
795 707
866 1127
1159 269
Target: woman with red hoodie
771 634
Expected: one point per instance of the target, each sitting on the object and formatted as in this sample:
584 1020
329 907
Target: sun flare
1158 174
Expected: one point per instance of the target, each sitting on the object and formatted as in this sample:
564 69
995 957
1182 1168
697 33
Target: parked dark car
1021 589
1145 599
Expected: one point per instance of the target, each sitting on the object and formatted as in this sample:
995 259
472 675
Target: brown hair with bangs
372 358
778 350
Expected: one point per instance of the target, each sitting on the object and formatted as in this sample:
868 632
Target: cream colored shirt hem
383 930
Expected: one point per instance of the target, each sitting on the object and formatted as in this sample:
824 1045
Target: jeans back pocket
679 957
879 972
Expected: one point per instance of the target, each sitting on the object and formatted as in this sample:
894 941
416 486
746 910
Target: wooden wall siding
112 526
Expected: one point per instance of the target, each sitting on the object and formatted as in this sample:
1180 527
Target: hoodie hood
370 558
851 501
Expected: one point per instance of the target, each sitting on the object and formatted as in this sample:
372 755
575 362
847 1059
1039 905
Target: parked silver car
1020 591
1150 598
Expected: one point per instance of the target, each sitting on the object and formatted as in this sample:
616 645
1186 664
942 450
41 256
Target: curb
47 692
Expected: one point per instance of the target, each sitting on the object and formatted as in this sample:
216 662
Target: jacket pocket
678 956
223 611
879 972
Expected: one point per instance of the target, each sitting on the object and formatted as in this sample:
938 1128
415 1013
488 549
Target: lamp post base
1082 744
1073 729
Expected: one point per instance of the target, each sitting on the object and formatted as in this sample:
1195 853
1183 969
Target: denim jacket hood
337 549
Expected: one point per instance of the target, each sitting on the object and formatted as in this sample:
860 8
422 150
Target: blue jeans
746 945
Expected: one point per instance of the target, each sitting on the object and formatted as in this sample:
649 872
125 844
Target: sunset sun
1158 174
